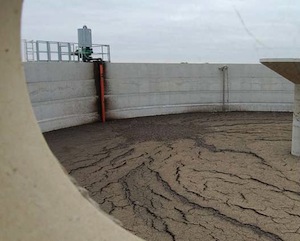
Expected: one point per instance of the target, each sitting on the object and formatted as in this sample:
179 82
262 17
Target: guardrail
61 51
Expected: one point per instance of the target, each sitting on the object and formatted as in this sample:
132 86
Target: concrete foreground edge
289 68
38 201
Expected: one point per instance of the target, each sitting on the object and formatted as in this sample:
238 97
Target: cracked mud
203 176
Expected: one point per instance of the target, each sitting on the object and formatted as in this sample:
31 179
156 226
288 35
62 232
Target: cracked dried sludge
204 176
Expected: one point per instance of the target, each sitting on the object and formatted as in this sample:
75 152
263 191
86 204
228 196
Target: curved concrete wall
62 94
136 89
253 87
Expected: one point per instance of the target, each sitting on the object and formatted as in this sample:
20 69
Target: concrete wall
62 94
152 89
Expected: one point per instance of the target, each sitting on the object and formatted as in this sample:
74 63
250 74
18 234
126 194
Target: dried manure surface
202 176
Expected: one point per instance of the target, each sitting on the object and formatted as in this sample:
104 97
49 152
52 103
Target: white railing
61 51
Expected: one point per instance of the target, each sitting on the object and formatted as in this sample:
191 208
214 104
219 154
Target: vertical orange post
102 101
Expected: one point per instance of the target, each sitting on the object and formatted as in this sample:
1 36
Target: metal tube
59 51
108 52
69 51
224 70
296 122
26 50
37 51
48 51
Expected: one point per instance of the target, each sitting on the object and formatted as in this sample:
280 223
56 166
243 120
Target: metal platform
60 51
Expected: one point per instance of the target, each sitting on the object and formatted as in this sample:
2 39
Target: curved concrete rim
279 60
37 199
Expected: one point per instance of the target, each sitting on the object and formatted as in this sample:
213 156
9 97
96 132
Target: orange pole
102 100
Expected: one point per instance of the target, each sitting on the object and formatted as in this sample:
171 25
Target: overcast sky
235 31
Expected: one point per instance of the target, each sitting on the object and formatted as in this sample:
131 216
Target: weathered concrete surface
62 94
296 122
288 68
143 89
205 176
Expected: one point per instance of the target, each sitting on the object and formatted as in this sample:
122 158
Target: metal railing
61 51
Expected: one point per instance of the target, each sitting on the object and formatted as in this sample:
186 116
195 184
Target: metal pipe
48 51
25 49
69 51
108 52
224 70
59 51
37 51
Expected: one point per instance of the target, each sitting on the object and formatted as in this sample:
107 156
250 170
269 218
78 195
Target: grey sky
171 30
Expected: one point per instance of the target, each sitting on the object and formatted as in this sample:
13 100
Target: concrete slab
288 68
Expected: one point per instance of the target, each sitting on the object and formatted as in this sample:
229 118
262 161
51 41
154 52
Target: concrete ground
203 176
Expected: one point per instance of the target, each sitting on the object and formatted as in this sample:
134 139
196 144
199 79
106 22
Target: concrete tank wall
136 89
253 87
62 94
